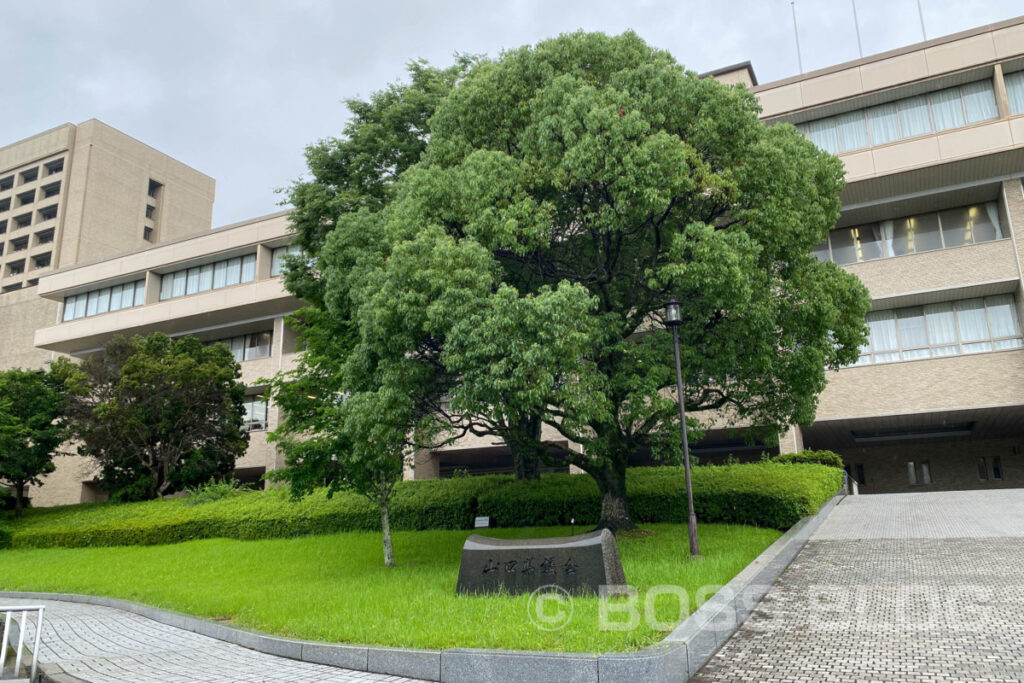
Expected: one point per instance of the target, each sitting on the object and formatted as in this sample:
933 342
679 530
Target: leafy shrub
816 457
762 494
5 538
214 490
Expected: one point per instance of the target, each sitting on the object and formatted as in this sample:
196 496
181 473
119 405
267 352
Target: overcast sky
237 88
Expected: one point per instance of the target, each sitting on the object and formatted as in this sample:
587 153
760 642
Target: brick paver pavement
101 644
922 587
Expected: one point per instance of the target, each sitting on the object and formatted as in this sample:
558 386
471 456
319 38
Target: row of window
248 346
31 196
920 473
99 301
32 174
907 118
210 276
184 282
945 329
18 267
912 235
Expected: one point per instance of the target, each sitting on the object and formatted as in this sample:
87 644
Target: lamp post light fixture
673 320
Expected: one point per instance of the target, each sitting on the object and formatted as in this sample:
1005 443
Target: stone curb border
685 649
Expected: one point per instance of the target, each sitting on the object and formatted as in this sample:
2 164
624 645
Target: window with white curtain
105 300
944 329
278 255
1015 91
209 276
912 235
248 346
255 418
910 117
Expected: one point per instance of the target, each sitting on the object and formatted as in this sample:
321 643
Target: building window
23 221
912 235
12 288
248 346
150 210
3 227
55 166
5 204
997 467
946 329
44 236
16 267
982 469
255 418
20 244
107 299
41 261
26 197
154 189
51 190
278 255
919 474
48 213
29 175
210 276
147 234
6 183
907 118
1014 92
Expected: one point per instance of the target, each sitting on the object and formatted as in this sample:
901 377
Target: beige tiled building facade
102 235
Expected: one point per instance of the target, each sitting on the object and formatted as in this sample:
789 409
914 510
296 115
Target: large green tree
158 414
518 272
31 428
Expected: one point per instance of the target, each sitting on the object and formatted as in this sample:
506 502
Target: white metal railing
24 609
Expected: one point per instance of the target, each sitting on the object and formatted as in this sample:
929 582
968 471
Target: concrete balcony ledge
940 275
930 385
262 299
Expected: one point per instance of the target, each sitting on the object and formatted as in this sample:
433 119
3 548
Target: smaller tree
158 414
338 433
31 429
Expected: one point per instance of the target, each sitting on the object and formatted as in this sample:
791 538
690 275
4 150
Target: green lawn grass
334 588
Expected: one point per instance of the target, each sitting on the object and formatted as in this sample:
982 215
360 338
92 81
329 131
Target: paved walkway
100 644
919 587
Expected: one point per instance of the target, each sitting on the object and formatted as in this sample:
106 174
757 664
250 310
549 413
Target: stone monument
579 564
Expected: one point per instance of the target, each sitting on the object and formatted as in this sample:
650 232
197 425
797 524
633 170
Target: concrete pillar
791 440
264 257
152 287
999 86
423 464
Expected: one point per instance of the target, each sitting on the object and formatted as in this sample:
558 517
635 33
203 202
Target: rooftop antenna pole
920 14
796 35
856 27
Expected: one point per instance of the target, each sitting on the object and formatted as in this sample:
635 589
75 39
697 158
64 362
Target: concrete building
82 193
932 137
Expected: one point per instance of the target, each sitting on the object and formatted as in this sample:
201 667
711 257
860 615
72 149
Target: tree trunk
385 528
19 498
524 466
611 482
524 448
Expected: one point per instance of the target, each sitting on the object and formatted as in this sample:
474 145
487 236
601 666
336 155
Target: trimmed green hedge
816 457
761 494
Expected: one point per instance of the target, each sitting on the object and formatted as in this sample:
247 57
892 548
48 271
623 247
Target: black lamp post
672 320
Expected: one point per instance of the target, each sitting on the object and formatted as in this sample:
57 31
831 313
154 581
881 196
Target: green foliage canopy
517 270
31 428
157 414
